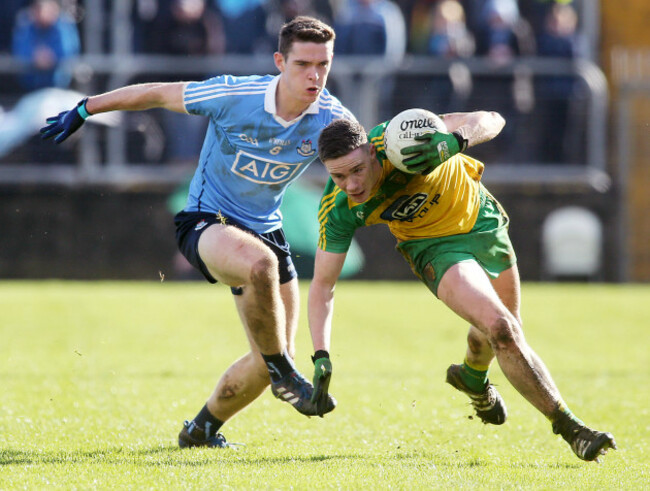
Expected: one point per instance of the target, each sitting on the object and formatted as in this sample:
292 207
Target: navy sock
206 421
279 365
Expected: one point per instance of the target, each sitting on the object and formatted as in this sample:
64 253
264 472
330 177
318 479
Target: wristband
462 142
81 109
320 354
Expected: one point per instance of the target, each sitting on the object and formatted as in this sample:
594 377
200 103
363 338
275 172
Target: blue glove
65 123
436 148
322 376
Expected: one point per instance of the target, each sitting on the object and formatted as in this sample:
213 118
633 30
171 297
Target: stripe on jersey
322 240
204 93
328 102
337 111
226 85
216 96
378 142
327 203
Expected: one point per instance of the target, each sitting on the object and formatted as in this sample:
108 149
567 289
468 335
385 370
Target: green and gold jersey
445 202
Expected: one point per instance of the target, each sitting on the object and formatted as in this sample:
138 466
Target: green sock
474 379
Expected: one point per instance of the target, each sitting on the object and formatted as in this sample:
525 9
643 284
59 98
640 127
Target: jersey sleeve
336 220
203 98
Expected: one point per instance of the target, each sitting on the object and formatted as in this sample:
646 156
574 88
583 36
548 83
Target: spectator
244 26
440 30
371 27
500 41
376 28
44 37
187 28
536 11
324 8
8 11
145 15
559 39
448 34
281 11
559 36
502 33
416 13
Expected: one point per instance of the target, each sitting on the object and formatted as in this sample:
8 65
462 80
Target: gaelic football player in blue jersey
262 135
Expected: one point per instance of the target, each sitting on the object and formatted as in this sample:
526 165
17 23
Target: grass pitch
97 378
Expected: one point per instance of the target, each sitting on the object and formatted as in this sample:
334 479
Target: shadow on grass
164 456
172 456
32 457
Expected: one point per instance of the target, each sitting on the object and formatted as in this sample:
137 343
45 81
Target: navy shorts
191 224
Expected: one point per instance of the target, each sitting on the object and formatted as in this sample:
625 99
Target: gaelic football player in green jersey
454 235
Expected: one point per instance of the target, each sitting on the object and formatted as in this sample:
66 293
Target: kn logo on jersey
263 171
405 207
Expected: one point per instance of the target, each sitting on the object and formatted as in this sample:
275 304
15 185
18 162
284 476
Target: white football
402 130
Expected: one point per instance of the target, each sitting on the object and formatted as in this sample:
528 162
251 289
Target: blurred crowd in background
45 33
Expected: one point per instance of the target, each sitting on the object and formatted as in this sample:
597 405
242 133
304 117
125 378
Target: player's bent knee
503 333
264 271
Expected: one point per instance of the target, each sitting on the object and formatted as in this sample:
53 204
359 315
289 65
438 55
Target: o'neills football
402 130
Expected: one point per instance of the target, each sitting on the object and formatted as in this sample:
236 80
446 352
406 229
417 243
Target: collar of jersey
269 104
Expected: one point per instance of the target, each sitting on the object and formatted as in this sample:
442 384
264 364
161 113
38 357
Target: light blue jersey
250 155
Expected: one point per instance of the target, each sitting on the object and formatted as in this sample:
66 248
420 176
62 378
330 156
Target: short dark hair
305 29
339 138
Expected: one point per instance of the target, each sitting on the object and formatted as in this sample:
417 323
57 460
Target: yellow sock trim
478 368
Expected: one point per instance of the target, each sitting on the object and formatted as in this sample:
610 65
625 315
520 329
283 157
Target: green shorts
487 243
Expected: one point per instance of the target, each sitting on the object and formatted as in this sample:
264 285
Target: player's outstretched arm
139 97
130 98
327 269
475 127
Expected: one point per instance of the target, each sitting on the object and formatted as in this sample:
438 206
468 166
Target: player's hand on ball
322 376
435 149
65 123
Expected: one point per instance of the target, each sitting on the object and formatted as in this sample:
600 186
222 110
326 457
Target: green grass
96 379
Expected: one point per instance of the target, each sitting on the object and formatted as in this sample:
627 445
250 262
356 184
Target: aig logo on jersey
263 171
405 207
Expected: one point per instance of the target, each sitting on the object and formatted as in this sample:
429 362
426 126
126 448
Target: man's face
356 173
305 69
45 13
